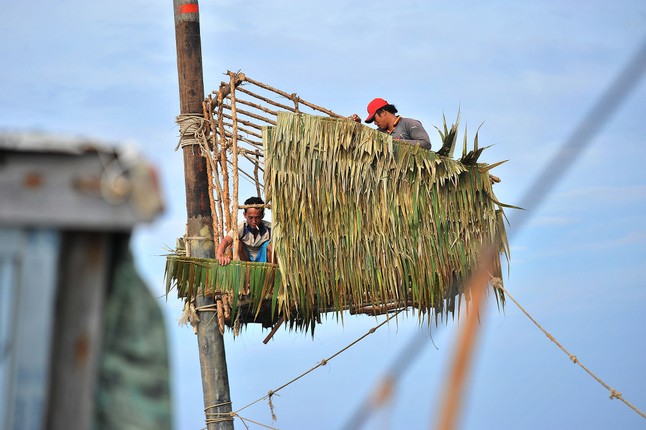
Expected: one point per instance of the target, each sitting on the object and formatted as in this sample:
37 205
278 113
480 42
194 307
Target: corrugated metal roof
75 182
34 141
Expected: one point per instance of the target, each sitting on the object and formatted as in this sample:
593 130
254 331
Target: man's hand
221 253
224 259
354 117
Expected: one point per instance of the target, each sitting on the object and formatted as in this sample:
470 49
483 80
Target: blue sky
529 70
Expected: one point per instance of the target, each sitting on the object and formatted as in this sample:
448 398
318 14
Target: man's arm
417 133
222 247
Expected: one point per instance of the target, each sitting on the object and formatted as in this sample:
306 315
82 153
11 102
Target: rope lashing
198 238
191 129
218 417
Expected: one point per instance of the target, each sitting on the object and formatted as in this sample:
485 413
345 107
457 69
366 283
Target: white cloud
530 70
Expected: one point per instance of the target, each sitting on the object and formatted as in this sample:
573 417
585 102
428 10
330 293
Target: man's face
379 119
253 217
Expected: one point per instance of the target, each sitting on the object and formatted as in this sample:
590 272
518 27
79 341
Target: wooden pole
84 273
199 241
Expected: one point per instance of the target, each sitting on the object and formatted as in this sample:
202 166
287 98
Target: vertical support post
215 380
234 161
85 265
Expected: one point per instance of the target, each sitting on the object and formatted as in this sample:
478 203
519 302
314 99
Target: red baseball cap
373 107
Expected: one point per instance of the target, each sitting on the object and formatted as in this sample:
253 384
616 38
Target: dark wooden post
199 241
85 265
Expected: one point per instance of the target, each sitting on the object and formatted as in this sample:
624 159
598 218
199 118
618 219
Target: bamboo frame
224 144
234 147
234 131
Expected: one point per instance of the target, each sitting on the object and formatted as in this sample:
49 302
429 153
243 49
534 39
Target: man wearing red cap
386 119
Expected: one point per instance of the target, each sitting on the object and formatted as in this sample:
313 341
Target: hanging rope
323 362
614 394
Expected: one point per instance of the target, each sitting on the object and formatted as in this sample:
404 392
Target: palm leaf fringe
364 222
361 223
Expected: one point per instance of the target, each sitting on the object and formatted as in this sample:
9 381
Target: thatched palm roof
360 222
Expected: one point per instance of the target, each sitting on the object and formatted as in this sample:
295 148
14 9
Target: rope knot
614 394
323 362
574 359
270 393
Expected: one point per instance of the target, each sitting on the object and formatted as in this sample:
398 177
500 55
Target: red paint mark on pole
189 8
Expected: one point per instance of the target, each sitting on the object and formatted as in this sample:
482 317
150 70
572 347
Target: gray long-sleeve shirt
410 130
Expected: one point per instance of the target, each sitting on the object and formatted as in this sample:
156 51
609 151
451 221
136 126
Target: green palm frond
361 223
449 137
383 221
